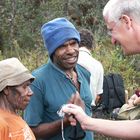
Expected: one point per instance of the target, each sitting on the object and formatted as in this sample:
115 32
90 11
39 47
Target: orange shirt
13 127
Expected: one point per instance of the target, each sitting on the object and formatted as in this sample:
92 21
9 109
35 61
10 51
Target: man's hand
78 114
76 99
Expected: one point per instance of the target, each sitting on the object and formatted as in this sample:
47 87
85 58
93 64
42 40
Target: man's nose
113 40
70 48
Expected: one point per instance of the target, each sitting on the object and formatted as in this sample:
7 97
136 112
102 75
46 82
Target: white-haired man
123 22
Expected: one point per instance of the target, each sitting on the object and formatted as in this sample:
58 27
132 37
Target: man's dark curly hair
87 38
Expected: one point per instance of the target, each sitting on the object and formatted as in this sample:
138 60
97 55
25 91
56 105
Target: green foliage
20 33
113 60
34 58
1 56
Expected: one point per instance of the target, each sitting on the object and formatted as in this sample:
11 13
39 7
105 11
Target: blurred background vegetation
20 23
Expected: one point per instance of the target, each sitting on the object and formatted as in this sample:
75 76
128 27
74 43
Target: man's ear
126 20
6 91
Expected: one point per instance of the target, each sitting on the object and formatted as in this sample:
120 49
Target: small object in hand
60 112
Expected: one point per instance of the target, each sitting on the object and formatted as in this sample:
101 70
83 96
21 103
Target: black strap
77 133
110 104
116 77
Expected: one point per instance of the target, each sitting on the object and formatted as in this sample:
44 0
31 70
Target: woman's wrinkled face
66 56
19 96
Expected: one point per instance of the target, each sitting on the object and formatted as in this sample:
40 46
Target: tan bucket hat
13 72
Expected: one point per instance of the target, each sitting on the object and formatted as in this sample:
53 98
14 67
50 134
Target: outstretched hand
78 113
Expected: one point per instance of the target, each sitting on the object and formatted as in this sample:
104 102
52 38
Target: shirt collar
60 71
84 49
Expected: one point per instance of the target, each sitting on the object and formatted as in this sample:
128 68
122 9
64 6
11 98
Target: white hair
115 8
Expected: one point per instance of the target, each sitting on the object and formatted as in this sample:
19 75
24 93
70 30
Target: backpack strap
110 92
107 90
119 87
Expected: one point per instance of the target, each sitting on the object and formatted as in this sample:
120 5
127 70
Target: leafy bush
20 33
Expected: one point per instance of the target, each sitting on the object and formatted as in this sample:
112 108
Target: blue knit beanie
57 32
